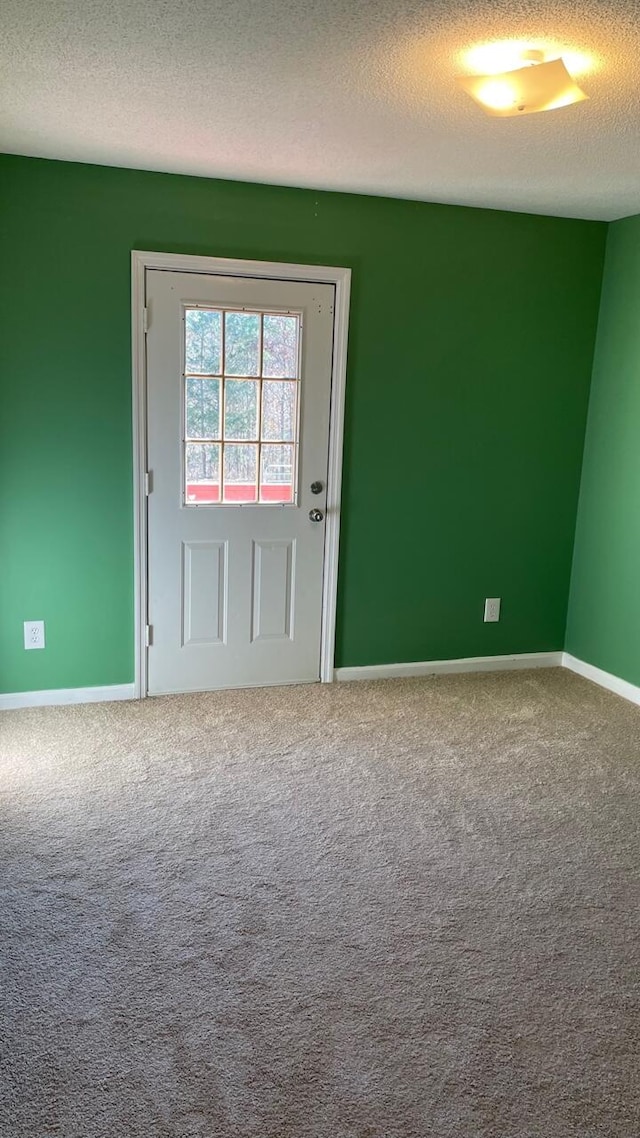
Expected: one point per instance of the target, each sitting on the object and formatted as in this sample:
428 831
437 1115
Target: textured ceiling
356 95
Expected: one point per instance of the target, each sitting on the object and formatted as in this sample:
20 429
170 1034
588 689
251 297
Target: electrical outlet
34 634
492 610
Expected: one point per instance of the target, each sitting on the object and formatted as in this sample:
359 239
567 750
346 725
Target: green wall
470 357
604 615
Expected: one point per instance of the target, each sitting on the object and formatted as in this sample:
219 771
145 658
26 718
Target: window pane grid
253 457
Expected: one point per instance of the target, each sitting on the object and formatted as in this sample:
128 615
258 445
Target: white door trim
141 261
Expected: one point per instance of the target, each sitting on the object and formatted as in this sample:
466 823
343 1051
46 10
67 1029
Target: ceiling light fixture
539 85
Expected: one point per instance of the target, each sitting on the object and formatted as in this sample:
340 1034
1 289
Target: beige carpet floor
388 910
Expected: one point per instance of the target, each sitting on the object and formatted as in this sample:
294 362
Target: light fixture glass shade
539 87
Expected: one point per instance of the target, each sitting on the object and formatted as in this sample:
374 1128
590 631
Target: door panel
273 590
238 398
204 594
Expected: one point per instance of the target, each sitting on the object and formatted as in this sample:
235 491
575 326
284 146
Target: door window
241 406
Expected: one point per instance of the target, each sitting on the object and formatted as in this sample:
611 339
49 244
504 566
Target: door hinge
145 319
148 636
147 483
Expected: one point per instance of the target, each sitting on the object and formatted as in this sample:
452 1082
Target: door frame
141 262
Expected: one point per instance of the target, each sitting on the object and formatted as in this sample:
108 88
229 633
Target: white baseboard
60 696
447 667
66 695
603 679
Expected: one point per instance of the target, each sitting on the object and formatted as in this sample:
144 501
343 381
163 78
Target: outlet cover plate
34 634
492 610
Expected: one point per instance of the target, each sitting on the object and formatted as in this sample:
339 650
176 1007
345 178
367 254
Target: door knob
316 515
316 487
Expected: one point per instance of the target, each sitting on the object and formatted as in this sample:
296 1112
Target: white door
238 399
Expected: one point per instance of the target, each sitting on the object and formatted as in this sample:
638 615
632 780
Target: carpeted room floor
387 910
